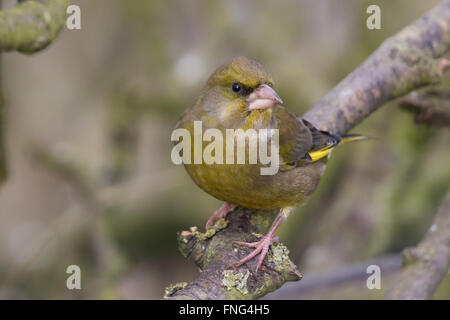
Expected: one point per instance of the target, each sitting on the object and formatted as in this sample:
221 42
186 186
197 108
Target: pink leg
220 213
262 246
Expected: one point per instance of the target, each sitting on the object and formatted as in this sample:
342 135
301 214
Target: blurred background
88 124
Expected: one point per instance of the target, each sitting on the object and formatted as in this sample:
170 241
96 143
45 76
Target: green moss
237 281
219 225
31 25
262 220
428 69
269 285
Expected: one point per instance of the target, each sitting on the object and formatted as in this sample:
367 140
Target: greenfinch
240 95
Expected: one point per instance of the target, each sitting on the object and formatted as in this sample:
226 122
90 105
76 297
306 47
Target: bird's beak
263 97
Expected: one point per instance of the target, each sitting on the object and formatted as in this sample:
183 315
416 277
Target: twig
431 107
426 265
404 62
83 186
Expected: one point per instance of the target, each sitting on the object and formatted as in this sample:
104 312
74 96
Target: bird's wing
323 142
296 139
300 141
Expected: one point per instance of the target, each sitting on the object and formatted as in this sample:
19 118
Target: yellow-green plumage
242 184
239 95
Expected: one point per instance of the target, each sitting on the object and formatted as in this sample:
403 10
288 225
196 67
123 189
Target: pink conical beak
263 97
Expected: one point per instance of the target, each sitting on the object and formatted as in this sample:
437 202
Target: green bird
240 95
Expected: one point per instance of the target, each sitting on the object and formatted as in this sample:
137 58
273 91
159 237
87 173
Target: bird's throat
258 119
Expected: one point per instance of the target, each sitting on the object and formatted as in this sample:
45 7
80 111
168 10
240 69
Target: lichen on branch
214 252
31 25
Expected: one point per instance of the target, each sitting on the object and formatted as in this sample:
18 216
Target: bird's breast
244 185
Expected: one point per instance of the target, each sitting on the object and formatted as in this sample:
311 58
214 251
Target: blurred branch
431 107
32 25
29 27
122 115
425 266
71 172
404 62
331 280
3 168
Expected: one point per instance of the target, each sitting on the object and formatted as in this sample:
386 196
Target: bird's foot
262 247
220 213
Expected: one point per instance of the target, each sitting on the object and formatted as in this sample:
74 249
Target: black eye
236 87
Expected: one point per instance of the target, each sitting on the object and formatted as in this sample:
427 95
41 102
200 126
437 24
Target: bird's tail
334 142
353 137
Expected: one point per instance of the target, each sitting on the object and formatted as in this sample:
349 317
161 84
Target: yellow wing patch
321 153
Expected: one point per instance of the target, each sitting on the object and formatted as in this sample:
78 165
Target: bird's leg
262 246
220 213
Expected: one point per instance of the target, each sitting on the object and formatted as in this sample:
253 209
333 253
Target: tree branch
331 280
426 265
431 107
404 62
32 25
29 27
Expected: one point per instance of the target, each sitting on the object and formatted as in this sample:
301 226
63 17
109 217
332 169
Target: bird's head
237 88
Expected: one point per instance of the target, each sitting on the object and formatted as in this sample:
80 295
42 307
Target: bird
240 95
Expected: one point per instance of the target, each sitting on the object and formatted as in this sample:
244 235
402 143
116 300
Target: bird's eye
236 87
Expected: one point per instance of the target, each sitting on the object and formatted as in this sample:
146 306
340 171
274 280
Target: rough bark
410 59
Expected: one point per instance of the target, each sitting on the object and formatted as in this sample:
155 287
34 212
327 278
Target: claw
247 244
262 247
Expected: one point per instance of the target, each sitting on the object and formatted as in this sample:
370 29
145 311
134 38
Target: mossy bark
214 252
32 25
